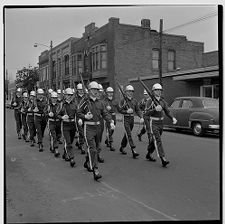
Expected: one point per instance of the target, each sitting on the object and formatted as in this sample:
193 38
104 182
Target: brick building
122 52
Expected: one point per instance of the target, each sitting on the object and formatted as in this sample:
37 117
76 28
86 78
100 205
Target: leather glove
15 104
36 109
80 122
51 114
130 111
142 120
108 108
65 117
174 120
112 126
88 116
158 108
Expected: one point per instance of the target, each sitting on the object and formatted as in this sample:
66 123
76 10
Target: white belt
30 114
113 113
40 115
92 122
51 119
69 120
157 118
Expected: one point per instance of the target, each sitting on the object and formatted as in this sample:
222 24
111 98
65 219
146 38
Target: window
54 70
99 57
67 65
187 104
59 67
79 63
211 91
175 104
155 58
74 67
171 60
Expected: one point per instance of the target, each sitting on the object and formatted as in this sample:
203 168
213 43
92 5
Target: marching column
24 108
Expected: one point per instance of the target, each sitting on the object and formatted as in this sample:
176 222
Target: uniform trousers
55 131
109 130
156 130
128 125
31 126
40 124
18 119
92 135
24 124
81 133
69 130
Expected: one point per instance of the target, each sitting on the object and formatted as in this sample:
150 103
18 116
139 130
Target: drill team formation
84 113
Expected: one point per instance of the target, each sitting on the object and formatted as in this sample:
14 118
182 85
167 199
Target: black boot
24 137
164 161
111 147
86 165
122 151
32 143
27 139
60 142
139 137
149 157
82 150
100 160
19 135
107 143
135 154
40 147
57 154
72 163
96 174
51 149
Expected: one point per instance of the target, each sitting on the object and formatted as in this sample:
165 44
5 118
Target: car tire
197 129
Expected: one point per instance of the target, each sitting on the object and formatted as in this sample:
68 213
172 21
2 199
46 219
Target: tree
27 78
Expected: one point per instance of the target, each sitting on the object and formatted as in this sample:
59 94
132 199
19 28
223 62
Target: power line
193 21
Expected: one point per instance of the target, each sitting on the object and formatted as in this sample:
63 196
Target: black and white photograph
112 113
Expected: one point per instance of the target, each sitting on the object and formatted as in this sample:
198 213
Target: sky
26 26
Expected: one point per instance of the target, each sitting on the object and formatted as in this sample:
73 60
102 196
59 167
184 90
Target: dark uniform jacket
18 101
113 104
42 106
55 109
97 108
158 114
69 108
133 104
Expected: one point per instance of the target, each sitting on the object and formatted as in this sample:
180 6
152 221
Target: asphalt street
42 188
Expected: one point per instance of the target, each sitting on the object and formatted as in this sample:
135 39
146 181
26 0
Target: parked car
198 114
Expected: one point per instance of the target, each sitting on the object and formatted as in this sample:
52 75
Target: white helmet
32 93
100 87
19 90
109 89
50 90
25 94
54 94
69 91
79 86
156 86
129 88
59 91
73 90
93 85
40 91
145 92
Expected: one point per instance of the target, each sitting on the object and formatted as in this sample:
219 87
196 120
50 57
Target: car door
183 113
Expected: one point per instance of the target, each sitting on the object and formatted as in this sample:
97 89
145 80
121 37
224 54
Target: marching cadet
24 108
16 105
156 115
142 106
60 102
127 107
79 97
112 106
40 120
101 96
67 114
30 117
54 123
91 110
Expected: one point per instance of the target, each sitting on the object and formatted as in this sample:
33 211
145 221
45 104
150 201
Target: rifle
148 91
123 94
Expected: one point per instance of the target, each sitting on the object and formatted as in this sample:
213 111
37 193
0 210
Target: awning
196 76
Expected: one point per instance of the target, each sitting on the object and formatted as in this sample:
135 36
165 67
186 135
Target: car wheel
197 129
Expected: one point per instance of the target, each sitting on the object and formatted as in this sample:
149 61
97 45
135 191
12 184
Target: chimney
145 23
114 20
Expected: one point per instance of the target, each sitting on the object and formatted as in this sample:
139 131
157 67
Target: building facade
120 52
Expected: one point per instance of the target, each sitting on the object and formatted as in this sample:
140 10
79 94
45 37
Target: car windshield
210 103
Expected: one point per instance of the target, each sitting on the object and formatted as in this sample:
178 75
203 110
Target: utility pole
160 51
50 67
